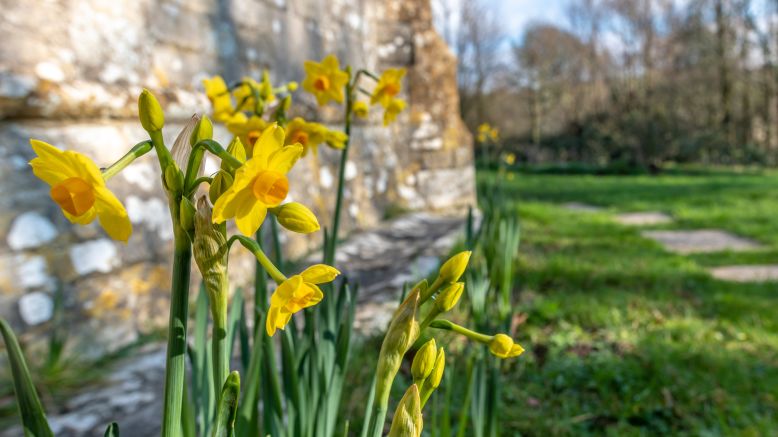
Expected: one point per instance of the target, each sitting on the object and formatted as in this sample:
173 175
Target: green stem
136 152
191 190
380 418
219 347
451 326
254 248
427 294
176 347
329 256
196 157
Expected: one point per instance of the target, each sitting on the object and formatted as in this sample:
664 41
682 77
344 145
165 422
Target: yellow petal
112 215
83 219
319 274
271 140
249 216
286 291
284 159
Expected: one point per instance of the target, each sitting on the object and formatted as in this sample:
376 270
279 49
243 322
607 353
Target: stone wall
70 73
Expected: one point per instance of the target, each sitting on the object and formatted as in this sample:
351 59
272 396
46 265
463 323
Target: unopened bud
174 179
449 297
292 86
402 332
186 213
424 361
407 420
433 380
209 250
220 183
453 269
296 217
203 130
502 346
150 112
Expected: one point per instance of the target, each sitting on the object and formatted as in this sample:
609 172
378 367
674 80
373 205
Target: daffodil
248 129
335 139
249 88
388 86
325 80
394 107
260 183
219 95
307 134
487 132
360 109
509 158
296 293
78 187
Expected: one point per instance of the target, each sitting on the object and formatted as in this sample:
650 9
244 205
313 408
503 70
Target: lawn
624 338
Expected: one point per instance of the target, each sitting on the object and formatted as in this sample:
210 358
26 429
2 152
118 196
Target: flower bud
186 213
203 130
209 250
449 297
502 346
296 217
453 269
437 371
424 361
360 109
402 332
220 183
237 150
150 112
292 86
174 179
407 420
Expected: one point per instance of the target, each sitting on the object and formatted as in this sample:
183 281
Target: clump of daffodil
325 80
393 109
360 109
219 95
249 88
260 183
306 133
500 345
388 87
487 132
407 420
247 128
296 293
78 187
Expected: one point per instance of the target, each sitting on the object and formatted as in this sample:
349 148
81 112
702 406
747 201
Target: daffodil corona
78 187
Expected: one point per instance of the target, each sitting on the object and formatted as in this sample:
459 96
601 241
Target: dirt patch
707 240
584 207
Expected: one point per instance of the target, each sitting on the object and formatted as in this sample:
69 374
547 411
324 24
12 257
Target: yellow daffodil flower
248 129
502 346
296 293
395 107
388 86
260 183
79 189
219 95
360 109
510 158
335 139
308 134
325 80
487 132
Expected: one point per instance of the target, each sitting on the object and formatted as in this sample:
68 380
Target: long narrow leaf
30 408
227 409
112 430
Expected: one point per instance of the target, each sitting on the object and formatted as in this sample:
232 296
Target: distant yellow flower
487 132
248 129
307 134
395 107
510 158
219 95
260 183
245 93
296 293
336 139
503 346
79 189
325 80
360 109
388 86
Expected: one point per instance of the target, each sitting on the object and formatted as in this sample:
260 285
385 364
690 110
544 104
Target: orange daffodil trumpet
260 183
325 80
79 189
297 293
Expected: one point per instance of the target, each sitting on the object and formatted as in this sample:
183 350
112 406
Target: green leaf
112 430
30 408
227 408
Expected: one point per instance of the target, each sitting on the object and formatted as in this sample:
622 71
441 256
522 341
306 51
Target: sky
516 14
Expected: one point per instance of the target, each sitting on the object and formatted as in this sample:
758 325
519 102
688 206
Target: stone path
579 206
701 241
381 260
746 273
643 218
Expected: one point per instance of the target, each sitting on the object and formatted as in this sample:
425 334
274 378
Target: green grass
624 338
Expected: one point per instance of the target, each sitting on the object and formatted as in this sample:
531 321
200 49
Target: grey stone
643 218
94 256
708 240
746 273
29 230
36 308
583 207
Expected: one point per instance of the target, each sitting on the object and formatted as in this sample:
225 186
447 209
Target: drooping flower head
78 187
325 80
388 87
260 183
307 134
295 294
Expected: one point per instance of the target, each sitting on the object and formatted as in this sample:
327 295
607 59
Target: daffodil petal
112 215
284 159
271 140
249 216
